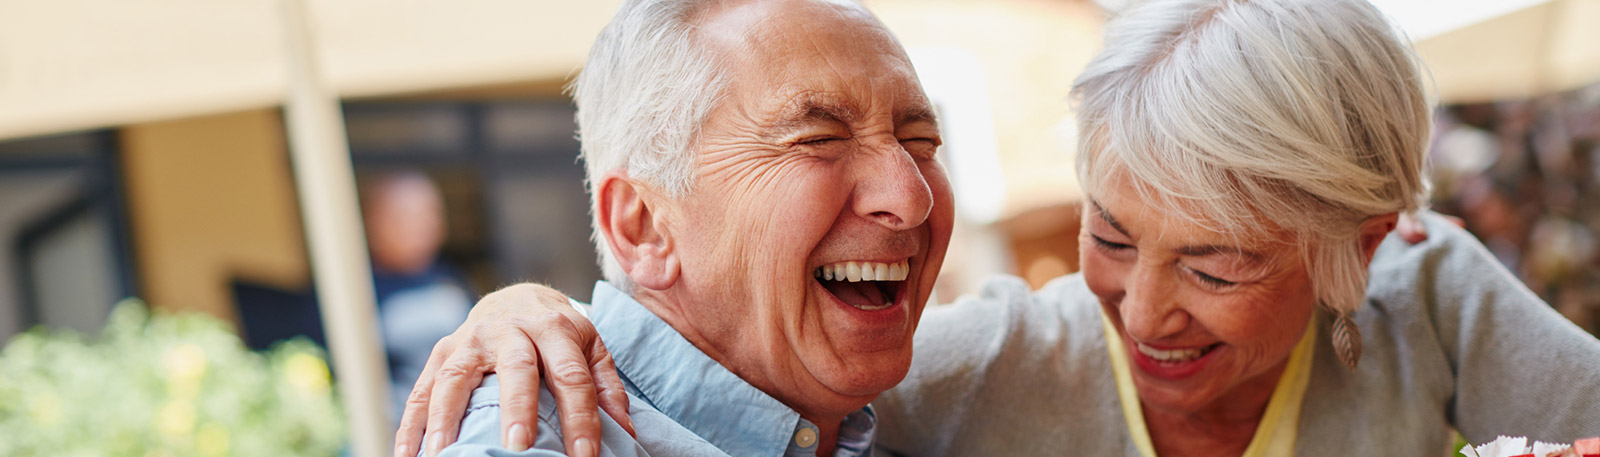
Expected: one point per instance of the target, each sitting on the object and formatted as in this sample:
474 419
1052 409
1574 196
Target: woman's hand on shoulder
516 332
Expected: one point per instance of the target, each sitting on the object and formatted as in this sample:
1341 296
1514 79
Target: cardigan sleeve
1520 368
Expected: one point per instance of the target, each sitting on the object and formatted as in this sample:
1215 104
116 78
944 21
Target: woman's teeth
1173 355
864 271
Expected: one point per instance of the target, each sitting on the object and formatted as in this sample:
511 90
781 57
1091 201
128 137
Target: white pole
332 218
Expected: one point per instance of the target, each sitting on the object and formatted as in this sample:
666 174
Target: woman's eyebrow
1212 249
1106 216
1188 251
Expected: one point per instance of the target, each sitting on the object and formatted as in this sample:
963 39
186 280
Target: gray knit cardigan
1452 340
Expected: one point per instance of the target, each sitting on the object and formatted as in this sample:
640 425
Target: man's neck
827 435
666 308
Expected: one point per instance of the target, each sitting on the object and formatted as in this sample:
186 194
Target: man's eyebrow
918 114
1105 216
811 111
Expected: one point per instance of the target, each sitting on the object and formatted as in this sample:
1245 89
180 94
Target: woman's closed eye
1102 243
1210 281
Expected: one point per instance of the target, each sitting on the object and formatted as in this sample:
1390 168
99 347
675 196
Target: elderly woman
1243 163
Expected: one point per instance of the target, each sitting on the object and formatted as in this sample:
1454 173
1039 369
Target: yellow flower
45 409
185 361
175 418
307 373
211 440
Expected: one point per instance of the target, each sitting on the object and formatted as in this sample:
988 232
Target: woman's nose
1150 306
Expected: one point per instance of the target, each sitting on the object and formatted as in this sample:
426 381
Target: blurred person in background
420 297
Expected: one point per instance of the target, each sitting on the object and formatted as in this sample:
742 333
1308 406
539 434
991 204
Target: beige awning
1504 49
78 64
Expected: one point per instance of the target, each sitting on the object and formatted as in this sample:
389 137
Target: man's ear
1373 231
637 233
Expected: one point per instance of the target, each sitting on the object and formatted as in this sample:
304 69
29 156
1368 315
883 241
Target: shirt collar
671 374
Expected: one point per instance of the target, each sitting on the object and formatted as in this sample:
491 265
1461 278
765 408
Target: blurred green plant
168 385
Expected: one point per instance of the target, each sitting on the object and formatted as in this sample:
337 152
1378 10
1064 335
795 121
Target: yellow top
1275 435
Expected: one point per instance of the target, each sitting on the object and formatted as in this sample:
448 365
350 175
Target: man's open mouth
868 286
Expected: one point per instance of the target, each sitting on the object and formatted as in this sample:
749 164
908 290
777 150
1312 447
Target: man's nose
1149 309
890 188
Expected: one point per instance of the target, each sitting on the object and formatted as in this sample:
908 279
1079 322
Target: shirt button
805 437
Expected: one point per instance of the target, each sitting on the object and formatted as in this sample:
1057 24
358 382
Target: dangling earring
1346 339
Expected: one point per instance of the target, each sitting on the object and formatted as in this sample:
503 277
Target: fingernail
517 438
435 444
584 448
404 450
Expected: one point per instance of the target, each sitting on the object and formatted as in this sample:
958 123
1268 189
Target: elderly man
772 216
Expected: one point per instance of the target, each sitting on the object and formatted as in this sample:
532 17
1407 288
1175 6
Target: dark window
62 217
511 179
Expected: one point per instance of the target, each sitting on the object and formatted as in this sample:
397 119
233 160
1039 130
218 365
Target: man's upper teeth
865 271
1170 355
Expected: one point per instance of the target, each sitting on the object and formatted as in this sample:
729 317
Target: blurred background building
144 149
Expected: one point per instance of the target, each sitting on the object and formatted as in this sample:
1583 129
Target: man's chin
868 351
869 376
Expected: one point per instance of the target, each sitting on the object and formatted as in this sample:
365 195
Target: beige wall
1030 50
211 199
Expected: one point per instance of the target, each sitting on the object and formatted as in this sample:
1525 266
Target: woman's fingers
498 337
1459 222
613 397
408 438
517 365
1411 229
452 388
566 369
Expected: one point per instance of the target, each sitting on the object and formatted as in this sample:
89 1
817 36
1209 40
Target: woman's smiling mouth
1174 355
1172 363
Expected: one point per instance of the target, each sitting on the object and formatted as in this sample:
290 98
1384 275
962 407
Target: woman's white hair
1307 115
642 95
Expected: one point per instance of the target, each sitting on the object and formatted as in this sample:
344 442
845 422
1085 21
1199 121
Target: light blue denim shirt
682 402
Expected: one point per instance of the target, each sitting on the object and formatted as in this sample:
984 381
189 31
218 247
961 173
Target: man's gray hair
1309 115
641 97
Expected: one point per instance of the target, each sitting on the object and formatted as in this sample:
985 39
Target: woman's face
1205 317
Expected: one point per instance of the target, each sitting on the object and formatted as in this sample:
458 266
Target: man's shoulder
657 434
487 397
480 428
